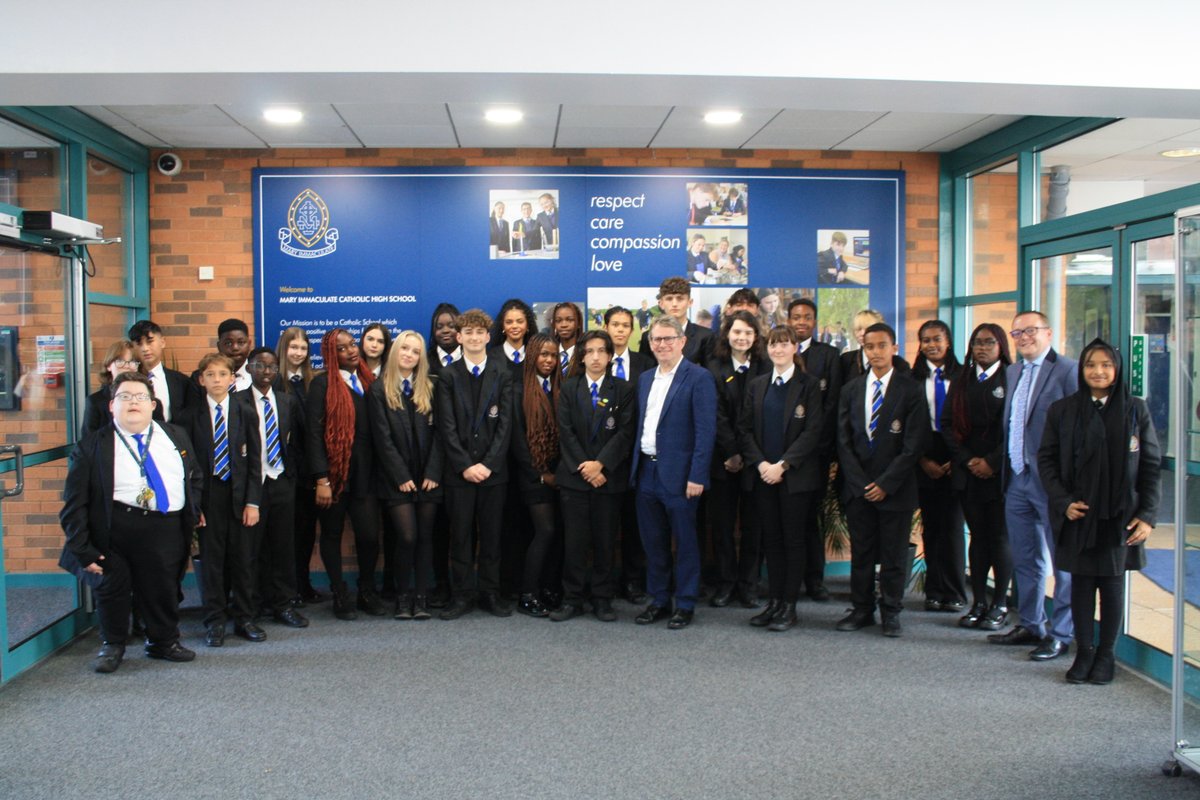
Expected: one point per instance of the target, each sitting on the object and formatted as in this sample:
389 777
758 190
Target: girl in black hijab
1099 461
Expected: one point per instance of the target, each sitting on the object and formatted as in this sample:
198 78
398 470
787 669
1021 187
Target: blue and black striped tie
876 404
220 446
272 434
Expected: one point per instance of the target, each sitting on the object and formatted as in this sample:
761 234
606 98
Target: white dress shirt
267 470
887 379
654 406
158 379
127 474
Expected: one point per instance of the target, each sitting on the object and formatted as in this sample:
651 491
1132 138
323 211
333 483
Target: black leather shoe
1050 648
722 597
634 595
371 603
652 614
856 621
343 607
681 618
250 632
1103 667
214 635
933 604
763 618
290 617
971 618
565 612
108 658
310 595
953 606
404 607
494 605
439 598
603 610
297 601
457 608
994 619
1082 668
891 627
420 608
746 598
1018 635
818 594
551 599
531 606
785 619
170 652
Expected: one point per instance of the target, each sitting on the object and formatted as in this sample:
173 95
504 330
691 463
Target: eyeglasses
985 342
120 362
130 397
260 367
659 341
1030 331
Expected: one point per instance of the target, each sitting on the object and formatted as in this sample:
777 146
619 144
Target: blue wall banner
348 247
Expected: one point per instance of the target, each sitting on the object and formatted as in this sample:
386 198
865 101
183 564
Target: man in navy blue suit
677 415
1037 380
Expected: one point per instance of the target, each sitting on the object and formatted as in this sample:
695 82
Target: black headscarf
1101 446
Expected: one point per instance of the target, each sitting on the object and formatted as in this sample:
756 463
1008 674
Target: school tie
778 380
744 368
475 371
406 387
595 394
546 385
983 377
939 398
296 381
621 367
564 361
220 446
448 360
354 384
516 356
272 427
1016 428
876 404
1098 404
153 478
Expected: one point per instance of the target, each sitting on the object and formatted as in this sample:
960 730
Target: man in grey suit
1041 377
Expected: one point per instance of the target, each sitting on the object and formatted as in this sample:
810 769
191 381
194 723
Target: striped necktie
220 446
564 361
876 404
546 385
272 427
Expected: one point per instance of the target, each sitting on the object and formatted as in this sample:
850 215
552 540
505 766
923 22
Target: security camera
169 164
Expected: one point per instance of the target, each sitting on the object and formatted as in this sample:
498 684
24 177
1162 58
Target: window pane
993 249
108 203
106 324
29 169
1075 293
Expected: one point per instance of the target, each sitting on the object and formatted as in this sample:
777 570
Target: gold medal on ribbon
145 497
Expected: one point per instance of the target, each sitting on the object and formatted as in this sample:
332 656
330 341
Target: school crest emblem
998 393
610 424
494 412
799 412
1134 444
308 227
896 426
824 384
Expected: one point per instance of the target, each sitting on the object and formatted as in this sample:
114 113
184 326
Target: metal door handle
19 457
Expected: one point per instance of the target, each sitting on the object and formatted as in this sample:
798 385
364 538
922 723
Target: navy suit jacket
1057 378
687 426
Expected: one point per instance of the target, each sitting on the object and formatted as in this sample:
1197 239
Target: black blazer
86 514
604 433
852 365
697 349
985 413
185 395
731 395
245 447
299 443
899 440
360 481
635 364
528 479
404 451
95 411
479 434
801 438
936 449
822 363
288 418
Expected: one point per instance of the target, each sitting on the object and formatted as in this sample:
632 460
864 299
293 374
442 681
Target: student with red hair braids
340 459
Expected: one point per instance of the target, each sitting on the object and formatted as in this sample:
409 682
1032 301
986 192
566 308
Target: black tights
1083 608
413 523
543 516
989 549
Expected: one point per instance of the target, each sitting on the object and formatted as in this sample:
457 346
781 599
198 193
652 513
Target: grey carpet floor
522 708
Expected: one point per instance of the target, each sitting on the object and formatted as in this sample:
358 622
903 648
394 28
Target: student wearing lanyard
130 503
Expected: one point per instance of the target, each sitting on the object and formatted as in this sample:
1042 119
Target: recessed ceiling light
503 116
1182 152
283 116
723 117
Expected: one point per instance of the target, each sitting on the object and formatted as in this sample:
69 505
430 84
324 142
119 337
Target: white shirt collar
786 374
509 350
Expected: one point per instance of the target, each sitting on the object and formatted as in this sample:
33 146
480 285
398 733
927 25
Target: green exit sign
1137 366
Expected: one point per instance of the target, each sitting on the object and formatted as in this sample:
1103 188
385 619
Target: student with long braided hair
535 451
341 458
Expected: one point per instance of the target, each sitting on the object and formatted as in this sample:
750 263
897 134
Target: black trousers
226 557
814 538
945 545
989 549
274 544
364 517
737 556
475 508
877 536
633 556
590 530
783 518
146 556
306 530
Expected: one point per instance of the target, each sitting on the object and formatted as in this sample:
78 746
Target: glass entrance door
1074 287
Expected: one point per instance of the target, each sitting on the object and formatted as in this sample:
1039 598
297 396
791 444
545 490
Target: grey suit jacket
1056 378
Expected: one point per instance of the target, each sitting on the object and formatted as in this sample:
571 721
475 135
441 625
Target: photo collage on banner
347 248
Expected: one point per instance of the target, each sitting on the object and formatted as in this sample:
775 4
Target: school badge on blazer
1134 444
308 227
896 426
998 393
799 412
824 384
493 412
610 424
